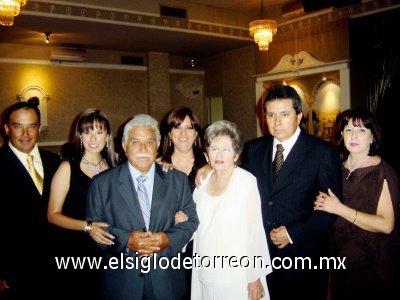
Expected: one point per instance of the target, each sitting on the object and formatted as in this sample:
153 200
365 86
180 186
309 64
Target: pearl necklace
356 167
96 167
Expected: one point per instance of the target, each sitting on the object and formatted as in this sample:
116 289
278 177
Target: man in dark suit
289 182
24 252
140 201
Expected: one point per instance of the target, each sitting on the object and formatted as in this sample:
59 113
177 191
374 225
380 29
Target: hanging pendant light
9 9
263 30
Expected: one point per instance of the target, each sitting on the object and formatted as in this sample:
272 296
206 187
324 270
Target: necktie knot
278 160
141 179
37 179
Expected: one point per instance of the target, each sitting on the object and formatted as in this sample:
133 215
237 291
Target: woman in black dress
67 205
367 230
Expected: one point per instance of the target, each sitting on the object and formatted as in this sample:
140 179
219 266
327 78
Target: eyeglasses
215 150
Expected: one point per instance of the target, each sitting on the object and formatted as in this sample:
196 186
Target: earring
235 164
195 142
169 143
107 144
81 144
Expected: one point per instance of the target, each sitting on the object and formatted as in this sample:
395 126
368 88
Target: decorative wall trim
367 13
189 72
71 64
297 61
91 13
51 143
333 15
91 65
300 64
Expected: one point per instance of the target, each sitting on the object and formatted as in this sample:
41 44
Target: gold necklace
96 167
357 166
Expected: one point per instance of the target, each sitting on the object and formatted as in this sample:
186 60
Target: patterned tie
144 200
278 160
37 179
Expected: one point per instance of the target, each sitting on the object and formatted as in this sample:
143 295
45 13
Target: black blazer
312 165
112 198
26 233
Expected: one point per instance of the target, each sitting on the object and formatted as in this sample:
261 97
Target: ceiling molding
99 14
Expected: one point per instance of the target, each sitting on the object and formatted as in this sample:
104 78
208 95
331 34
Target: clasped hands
279 236
147 243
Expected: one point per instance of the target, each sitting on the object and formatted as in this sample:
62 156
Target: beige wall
230 75
119 93
238 90
327 42
183 93
213 76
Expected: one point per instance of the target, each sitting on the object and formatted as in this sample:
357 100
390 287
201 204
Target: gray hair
141 120
224 128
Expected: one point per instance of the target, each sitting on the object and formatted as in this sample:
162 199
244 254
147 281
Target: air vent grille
175 12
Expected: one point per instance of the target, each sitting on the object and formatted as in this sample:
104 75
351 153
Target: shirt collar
22 155
136 173
288 144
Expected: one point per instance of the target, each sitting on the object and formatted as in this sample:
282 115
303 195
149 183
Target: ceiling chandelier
263 30
8 10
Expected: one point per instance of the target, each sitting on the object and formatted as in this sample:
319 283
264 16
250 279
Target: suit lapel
159 192
291 162
267 166
129 195
20 172
46 168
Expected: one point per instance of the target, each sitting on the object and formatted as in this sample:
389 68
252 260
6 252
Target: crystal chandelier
263 30
8 10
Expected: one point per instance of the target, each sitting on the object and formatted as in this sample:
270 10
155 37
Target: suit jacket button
268 223
270 203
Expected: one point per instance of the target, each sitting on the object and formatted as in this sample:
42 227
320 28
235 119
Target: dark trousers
298 284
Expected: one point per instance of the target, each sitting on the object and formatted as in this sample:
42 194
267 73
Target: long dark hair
172 120
88 120
360 116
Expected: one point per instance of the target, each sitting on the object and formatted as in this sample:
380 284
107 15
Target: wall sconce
193 62
47 40
36 91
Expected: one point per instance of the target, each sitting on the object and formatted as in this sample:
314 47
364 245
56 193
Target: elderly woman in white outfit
230 242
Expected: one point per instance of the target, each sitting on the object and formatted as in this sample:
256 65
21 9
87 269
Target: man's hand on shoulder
165 165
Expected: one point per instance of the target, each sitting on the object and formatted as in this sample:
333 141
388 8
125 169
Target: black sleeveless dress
372 259
79 283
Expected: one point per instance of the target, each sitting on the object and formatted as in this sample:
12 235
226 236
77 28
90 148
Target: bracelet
88 227
355 217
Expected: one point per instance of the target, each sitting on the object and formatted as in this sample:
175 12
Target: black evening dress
372 259
81 283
